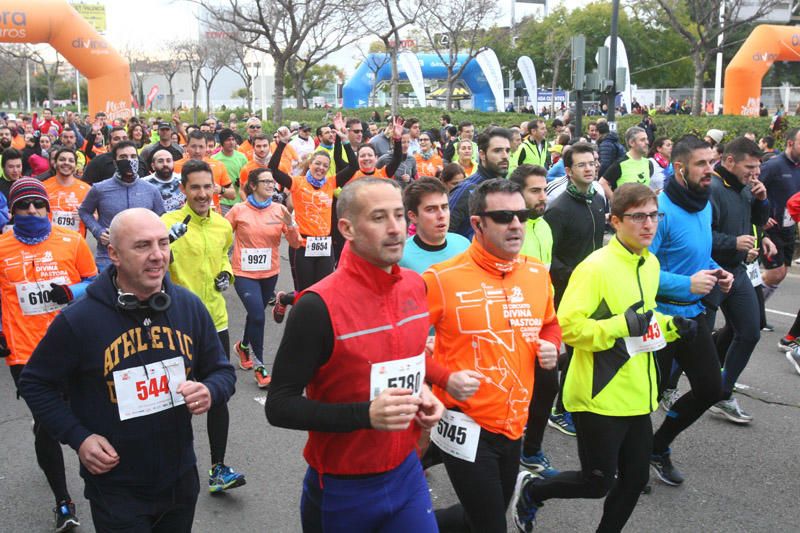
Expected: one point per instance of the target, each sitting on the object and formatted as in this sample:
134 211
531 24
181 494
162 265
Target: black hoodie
83 347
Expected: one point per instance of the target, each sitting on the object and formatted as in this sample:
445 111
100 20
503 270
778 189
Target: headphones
128 301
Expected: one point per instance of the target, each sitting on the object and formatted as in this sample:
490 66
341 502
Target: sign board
94 14
404 43
544 97
781 13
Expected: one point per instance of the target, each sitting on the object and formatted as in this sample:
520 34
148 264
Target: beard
164 173
5 143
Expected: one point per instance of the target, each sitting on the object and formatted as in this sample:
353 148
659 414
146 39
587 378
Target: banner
151 96
94 14
622 61
490 67
407 62
528 72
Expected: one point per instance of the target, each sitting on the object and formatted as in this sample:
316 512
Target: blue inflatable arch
356 91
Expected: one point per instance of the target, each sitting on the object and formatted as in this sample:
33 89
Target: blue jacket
79 355
459 203
111 196
683 246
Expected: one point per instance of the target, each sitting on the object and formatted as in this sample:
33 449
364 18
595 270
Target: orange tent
743 76
57 23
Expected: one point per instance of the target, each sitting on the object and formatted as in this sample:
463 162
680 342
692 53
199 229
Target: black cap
305 127
226 134
164 125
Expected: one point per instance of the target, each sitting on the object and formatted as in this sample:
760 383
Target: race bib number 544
146 390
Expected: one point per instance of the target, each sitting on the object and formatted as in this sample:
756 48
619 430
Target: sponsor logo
766 56
13 25
92 44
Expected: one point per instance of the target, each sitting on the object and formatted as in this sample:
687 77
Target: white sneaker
730 409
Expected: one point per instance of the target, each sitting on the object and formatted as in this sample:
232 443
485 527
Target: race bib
754 273
652 341
141 393
318 246
67 219
256 259
788 221
408 373
34 297
457 434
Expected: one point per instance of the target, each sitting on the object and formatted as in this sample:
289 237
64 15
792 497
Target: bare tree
276 27
215 51
385 19
454 27
700 24
141 65
190 54
50 69
169 68
12 82
242 68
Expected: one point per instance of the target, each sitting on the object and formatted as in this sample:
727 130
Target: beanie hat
27 187
716 135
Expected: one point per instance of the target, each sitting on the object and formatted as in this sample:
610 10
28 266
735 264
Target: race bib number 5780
408 373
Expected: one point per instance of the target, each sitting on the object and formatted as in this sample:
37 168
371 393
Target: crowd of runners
506 280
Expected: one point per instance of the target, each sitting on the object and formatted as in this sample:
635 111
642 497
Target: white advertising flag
409 63
622 62
490 67
528 72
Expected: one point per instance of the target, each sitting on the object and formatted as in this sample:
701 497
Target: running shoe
538 463
279 311
245 359
523 510
562 422
66 519
262 377
222 477
730 409
793 356
786 344
769 328
668 398
271 301
666 472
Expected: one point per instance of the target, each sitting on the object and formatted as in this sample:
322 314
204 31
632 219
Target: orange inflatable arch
57 23
743 76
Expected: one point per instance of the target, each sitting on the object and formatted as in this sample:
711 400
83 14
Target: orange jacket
218 171
65 201
488 314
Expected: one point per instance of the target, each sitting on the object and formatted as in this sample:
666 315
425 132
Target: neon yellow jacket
602 377
538 240
199 256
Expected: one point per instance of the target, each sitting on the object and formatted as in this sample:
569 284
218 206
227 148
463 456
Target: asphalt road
737 478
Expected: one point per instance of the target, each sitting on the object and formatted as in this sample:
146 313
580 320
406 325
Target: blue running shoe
562 422
538 463
523 511
222 477
66 519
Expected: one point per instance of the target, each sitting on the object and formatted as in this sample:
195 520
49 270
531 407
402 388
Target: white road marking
782 313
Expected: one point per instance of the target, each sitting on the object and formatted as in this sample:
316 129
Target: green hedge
673 126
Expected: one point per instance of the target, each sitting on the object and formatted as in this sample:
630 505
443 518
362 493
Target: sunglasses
254 127
24 204
504 216
357 131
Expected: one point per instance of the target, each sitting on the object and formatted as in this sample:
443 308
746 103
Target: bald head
355 195
131 221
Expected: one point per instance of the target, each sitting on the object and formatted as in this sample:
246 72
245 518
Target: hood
611 136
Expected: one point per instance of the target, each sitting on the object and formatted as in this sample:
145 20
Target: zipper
594 227
650 354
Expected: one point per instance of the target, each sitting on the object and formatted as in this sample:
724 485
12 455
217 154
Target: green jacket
538 240
199 256
534 155
602 377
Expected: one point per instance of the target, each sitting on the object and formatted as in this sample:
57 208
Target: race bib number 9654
318 246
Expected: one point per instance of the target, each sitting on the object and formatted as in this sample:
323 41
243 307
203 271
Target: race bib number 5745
457 434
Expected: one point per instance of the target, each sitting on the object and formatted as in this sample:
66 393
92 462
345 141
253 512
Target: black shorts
784 241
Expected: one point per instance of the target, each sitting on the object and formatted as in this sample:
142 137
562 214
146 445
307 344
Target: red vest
376 317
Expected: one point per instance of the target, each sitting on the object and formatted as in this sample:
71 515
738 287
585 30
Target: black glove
60 294
685 327
222 281
179 229
4 351
638 323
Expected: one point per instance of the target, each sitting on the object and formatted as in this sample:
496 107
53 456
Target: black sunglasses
38 203
505 216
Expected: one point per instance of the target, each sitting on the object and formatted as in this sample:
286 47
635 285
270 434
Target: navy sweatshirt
83 347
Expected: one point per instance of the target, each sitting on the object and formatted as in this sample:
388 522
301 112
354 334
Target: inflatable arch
743 76
55 22
356 91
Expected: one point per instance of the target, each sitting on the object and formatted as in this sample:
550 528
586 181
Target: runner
607 315
258 224
46 266
363 474
260 159
197 150
234 161
429 162
493 313
633 167
200 263
124 426
166 180
683 244
66 192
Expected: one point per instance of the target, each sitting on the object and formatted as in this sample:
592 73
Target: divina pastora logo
13 25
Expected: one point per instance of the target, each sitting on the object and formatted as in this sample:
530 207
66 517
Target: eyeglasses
639 218
24 204
254 127
268 182
504 216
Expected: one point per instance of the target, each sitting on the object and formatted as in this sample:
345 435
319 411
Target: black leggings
218 417
615 459
484 488
48 452
308 270
545 389
794 331
699 361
